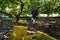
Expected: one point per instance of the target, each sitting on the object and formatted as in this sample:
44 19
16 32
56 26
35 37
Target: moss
22 21
39 37
18 33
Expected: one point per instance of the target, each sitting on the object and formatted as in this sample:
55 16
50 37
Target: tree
12 4
20 11
22 7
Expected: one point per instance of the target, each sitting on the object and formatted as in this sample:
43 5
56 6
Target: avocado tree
17 7
12 7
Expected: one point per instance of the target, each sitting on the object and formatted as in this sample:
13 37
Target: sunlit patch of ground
20 32
23 21
0 20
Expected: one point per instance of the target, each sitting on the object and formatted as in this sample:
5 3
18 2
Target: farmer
34 15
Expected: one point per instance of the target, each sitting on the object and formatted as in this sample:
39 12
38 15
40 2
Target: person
34 15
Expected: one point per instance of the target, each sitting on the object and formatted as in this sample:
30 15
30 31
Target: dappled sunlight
54 15
0 20
20 32
43 15
22 21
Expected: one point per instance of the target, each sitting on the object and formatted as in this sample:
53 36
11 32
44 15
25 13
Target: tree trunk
20 11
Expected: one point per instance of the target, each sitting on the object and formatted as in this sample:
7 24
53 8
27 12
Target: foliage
12 7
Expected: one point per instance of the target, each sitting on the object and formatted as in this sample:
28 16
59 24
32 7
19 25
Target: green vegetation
39 37
13 8
22 21
20 32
